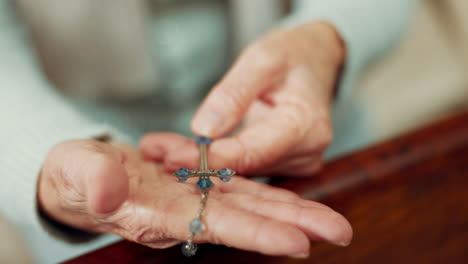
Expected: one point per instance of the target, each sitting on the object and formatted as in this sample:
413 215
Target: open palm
112 189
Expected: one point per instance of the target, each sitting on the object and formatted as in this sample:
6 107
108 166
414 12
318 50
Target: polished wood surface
407 200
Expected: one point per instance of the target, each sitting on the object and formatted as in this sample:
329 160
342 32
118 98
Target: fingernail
206 123
300 255
343 244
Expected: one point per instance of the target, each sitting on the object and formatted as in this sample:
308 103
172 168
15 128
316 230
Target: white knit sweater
34 116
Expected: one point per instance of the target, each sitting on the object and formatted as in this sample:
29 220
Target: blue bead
182 179
225 179
182 172
204 183
225 172
203 140
196 226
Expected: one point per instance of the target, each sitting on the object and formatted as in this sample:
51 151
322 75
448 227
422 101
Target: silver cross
204 174
189 248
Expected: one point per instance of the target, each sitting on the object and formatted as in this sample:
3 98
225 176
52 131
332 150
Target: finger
302 166
225 106
188 157
154 146
94 165
262 144
74 188
318 223
223 223
299 166
246 153
241 185
267 192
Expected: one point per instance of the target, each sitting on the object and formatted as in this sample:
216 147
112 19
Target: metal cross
204 174
189 248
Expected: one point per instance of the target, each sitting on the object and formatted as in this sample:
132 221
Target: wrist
329 40
331 54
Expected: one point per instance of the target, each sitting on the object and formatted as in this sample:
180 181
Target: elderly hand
109 188
281 87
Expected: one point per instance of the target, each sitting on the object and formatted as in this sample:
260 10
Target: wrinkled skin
281 87
107 188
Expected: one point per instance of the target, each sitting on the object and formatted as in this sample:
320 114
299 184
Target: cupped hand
109 188
281 88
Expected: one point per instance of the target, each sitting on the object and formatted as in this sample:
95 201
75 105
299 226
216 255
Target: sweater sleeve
368 27
33 117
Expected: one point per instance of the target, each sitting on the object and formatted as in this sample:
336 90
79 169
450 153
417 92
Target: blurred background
423 79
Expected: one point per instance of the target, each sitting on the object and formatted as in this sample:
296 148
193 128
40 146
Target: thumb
106 179
82 179
100 175
229 100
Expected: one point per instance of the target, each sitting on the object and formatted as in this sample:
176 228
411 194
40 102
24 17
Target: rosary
204 183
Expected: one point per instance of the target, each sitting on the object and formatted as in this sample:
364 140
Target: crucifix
204 183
